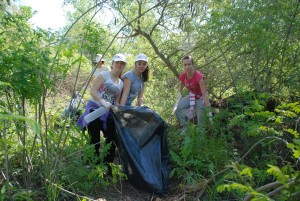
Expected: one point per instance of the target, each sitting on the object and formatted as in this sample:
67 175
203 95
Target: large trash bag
142 136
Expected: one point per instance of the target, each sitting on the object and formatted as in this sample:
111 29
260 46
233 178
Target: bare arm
204 93
126 89
117 100
97 82
140 97
181 85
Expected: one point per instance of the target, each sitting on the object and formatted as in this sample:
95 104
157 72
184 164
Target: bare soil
126 192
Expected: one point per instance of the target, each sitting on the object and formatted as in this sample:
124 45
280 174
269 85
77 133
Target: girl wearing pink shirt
197 99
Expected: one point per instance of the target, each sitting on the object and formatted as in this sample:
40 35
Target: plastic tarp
142 136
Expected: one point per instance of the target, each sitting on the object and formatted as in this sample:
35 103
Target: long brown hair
145 74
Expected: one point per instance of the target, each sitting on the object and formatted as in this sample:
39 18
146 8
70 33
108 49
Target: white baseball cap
141 57
98 57
119 57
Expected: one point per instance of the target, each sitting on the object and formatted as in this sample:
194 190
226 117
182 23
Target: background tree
262 39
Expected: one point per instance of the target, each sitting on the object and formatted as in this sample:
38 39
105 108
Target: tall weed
283 173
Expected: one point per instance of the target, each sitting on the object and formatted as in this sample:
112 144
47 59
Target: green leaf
31 123
293 132
253 130
5 84
175 158
234 186
296 141
68 53
279 120
269 131
274 170
236 120
8 142
247 171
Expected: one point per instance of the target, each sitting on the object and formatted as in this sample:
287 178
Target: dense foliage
248 51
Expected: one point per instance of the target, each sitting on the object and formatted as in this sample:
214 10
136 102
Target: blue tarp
142 136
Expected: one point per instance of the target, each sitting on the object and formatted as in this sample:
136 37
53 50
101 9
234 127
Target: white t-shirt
109 90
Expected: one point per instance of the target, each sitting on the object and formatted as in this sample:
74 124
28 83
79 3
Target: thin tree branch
277 185
69 192
160 18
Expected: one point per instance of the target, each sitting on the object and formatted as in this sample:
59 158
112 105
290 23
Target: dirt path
126 192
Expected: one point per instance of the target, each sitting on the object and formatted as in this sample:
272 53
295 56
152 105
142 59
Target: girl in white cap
99 62
105 92
134 81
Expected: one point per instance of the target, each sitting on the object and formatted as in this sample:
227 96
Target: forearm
140 101
125 91
206 100
180 88
117 100
140 98
95 96
123 98
204 93
99 80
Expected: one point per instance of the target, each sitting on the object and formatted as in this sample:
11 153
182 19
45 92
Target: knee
178 111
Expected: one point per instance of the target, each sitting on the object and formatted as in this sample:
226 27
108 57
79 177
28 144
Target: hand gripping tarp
142 136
